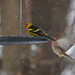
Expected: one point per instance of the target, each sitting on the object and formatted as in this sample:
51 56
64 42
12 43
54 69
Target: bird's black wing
40 32
33 27
37 31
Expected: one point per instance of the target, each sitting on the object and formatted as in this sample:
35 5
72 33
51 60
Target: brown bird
58 50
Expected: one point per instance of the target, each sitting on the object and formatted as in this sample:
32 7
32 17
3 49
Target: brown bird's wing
65 55
61 49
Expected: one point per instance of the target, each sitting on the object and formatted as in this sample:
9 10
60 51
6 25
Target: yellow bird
35 31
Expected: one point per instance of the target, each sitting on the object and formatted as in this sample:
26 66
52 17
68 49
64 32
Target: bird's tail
52 39
68 57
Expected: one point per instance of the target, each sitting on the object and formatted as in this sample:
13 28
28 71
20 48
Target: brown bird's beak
52 39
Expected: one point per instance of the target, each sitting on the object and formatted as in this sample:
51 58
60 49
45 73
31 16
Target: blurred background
36 59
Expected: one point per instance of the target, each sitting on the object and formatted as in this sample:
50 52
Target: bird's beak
52 39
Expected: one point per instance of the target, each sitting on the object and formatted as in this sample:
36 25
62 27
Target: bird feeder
21 40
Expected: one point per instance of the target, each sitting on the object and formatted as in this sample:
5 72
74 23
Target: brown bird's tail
68 57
